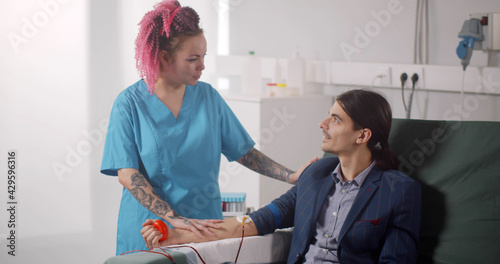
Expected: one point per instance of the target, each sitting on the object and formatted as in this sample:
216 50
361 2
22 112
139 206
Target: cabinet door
234 177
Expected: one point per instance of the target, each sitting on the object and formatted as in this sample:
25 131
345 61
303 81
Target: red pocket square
374 222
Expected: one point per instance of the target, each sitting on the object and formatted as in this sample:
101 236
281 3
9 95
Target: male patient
353 208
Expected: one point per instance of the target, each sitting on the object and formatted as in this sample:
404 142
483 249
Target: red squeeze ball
162 227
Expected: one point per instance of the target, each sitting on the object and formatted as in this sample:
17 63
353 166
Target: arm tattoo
161 208
138 190
260 163
147 199
176 216
142 197
138 180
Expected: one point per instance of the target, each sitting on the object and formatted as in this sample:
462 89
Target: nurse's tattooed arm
144 193
262 164
230 228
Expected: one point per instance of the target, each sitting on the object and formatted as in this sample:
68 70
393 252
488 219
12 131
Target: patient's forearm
229 228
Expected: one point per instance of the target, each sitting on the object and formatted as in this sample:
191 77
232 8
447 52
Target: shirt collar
358 179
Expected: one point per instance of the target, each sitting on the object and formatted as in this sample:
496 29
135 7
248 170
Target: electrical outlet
385 72
409 70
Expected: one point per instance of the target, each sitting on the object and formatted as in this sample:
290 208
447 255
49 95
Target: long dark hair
370 110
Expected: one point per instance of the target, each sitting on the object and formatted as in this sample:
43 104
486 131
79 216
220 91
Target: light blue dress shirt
180 157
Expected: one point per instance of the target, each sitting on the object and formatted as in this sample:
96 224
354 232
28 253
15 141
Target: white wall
61 73
322 30
275 27
44 113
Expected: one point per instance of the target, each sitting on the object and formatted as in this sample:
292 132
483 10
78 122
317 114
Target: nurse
168 130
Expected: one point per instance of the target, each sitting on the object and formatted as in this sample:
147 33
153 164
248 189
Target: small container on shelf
233 204
252 75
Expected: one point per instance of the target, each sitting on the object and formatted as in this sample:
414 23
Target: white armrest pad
270 248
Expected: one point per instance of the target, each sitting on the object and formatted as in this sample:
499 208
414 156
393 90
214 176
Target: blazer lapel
367 190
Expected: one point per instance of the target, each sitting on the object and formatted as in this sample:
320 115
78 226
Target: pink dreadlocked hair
163 28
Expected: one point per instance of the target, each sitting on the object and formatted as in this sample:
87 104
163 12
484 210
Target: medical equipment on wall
471 32
478 33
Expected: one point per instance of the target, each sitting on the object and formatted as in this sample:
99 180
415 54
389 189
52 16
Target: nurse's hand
197 226
294 177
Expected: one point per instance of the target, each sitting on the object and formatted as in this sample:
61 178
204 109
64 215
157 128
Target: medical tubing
403 78
414 79
415 44
462 97
419 32
426 31
150 251
168 255
242 236
276 213
197 253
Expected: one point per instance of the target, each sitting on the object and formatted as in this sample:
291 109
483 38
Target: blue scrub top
179 157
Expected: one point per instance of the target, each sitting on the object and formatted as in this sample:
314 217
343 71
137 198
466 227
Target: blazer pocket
365 236
369 223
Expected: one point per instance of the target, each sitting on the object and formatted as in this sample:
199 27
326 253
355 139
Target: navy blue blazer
381 227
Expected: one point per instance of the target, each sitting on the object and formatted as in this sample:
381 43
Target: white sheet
271 248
